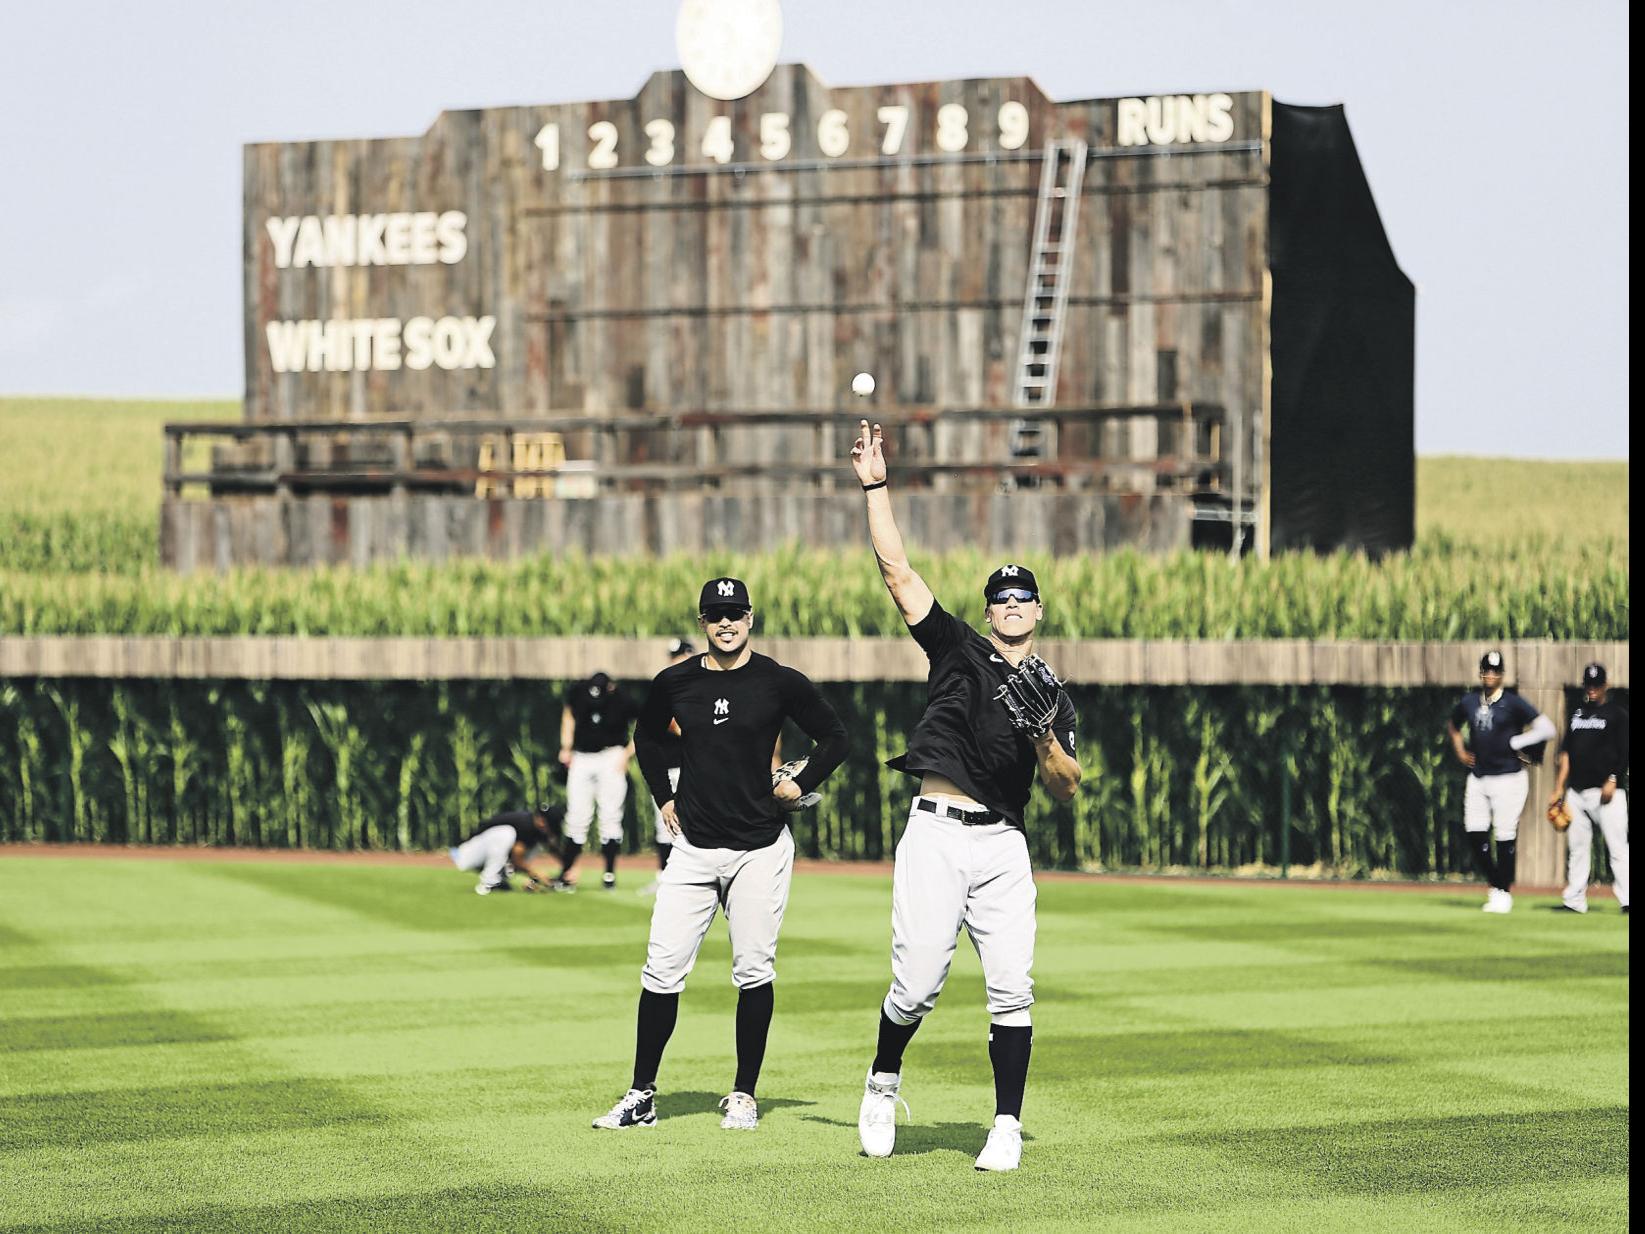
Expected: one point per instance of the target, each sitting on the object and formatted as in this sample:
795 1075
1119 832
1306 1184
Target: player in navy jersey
1592 781
1500 724
732 847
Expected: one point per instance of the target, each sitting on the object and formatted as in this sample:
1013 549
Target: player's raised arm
908 589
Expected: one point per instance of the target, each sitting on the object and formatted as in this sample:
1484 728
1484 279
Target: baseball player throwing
732 848
1498 784
994 714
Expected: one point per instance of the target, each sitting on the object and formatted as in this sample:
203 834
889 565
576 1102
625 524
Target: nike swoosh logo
726 720
996 659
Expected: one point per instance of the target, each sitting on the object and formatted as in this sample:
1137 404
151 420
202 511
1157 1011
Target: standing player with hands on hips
732 848
995 713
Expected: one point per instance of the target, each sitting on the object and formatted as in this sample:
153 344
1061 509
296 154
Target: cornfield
1175 779
1439 590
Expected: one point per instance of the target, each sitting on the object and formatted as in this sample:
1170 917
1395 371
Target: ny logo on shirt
722 706
1482 718
725 587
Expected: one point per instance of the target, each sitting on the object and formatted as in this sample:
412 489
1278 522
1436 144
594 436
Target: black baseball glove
1029 696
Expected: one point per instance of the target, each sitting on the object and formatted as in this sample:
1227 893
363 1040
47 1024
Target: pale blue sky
1495 136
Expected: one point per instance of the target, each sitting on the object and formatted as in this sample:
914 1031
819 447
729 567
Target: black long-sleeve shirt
729 723
1597 742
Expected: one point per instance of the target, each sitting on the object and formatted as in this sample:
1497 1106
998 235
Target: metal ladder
1040 339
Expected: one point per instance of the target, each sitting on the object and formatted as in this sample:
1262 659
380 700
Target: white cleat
1004 1148
1499 901
638 1108
741 1114
877 1116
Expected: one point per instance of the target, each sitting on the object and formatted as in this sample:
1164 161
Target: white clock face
728 47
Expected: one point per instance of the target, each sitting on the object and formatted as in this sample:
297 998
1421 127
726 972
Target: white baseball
863 384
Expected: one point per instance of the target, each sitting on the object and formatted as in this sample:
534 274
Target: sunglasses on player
1006 594
723 612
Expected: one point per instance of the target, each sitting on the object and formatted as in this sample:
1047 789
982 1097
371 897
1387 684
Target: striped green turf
249 1047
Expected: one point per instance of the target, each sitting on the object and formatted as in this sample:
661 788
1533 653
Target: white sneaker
1498 901
877 1116
741 1114
638 1108
1004 1148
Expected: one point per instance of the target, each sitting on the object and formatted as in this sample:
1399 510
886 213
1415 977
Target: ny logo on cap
722 707
725 587
1008 571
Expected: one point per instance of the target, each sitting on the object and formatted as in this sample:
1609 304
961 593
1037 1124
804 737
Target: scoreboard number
777 136
548 141
833 138
775 139
603 157
661 151
895 119
1013 125
717 140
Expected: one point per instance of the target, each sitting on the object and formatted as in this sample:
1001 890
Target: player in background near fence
679 650
963 856
1592 781
504 842
1500 726
732 846
595 749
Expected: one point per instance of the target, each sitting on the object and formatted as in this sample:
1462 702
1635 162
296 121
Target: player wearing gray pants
1502 728
732 847
1593 763
995 716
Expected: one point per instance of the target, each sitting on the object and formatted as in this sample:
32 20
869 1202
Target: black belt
970 818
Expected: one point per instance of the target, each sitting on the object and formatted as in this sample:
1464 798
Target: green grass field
257 1046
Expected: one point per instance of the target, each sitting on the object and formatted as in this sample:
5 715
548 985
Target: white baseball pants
948 875
1495 801
752 886
1612 819
664 835
487 852
596 779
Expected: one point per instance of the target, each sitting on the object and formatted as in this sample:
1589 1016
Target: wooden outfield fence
1540 665
1543 671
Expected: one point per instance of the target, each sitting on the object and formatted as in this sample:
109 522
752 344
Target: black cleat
608 882
1624 910
564 886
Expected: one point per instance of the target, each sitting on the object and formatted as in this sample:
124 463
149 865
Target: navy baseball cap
728 592
1010 576
1593 675
1491 662
680 647
550 813
599 681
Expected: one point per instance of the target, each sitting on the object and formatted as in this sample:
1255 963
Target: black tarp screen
1342 462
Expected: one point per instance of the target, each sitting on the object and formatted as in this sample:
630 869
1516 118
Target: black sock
894 1039
569 853
1008 1048
656 1025
1479 844
753 1026
663 850
609 851
1507 859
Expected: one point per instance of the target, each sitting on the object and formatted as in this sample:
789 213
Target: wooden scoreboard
1142 320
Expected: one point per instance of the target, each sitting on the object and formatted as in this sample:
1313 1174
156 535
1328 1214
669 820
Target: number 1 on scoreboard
548 141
